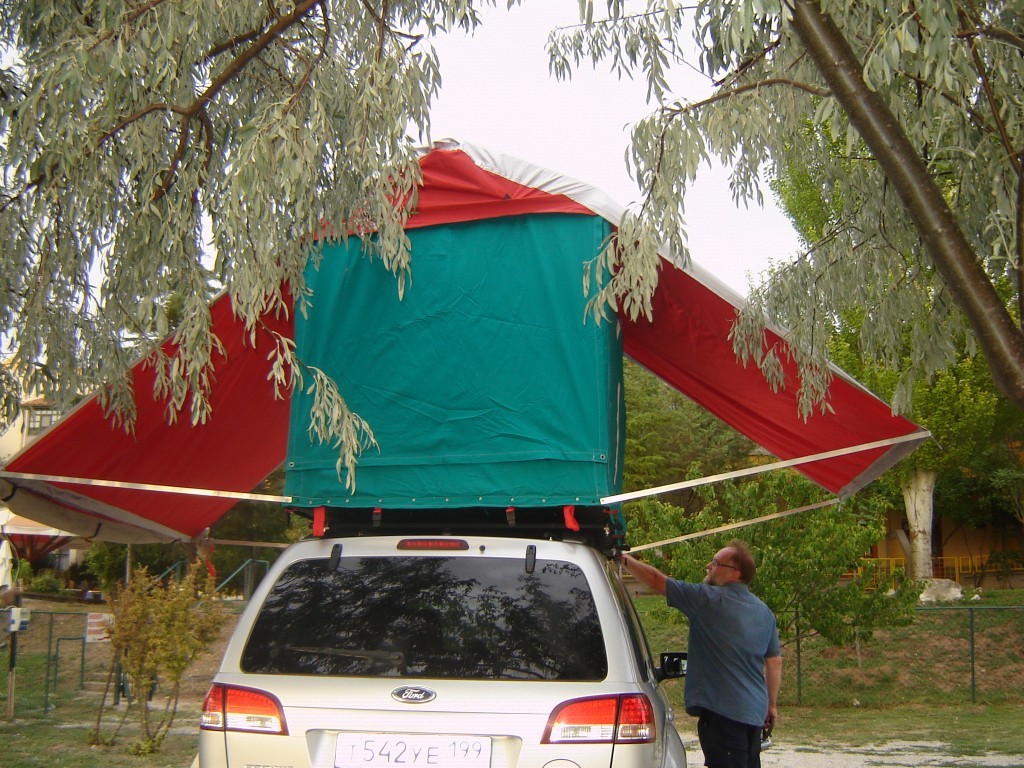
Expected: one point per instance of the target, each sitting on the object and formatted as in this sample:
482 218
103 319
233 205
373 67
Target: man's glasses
714 561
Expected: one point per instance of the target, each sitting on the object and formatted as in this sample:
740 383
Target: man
734 663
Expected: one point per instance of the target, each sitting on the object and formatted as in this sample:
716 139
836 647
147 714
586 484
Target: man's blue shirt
731 634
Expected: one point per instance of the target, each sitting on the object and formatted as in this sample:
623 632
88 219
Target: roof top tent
486 387
483 385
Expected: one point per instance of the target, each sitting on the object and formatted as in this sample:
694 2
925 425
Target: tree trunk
918 495
1000 339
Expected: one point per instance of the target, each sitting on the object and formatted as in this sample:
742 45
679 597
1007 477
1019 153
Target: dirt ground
197 680
893 754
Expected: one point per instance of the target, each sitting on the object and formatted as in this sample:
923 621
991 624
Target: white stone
941 591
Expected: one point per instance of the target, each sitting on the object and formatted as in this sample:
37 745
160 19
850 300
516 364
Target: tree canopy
925 102
192 147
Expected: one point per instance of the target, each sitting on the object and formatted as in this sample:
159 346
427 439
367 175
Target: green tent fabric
486 385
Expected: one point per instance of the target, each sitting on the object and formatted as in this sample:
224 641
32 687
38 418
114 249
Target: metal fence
57 657
63 655
948 654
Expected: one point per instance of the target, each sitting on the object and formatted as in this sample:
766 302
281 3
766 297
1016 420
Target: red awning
239 445
687 344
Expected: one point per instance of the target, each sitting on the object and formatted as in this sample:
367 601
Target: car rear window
448 617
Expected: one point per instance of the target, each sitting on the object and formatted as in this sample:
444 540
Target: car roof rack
597 526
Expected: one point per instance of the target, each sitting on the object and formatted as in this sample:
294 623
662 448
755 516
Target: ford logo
413 694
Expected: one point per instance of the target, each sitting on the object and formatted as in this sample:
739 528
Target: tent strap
732 526
629 496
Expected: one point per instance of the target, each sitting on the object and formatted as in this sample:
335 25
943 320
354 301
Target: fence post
49 660
13 663
799 675
248 580
971 612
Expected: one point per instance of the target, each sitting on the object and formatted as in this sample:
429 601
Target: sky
496 92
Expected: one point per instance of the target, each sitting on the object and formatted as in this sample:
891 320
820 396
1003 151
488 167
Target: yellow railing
970 566
953 568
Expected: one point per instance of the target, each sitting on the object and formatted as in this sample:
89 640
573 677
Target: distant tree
968 420
811 571
666 432
960 404
112 564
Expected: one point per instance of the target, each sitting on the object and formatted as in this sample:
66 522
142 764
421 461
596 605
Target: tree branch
976 118
1004 136
745 65
770 82
260 41
231 43
991 33
158 107
1015 161
1020 245
127 20
310 66
259 45
172 168
954 258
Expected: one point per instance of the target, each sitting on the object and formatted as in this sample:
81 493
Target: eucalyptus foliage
193 147
911 115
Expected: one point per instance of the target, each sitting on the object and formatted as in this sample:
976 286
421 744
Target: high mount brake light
438 545
617 719
227 708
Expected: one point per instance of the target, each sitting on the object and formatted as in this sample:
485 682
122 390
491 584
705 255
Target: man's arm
773 677
645 573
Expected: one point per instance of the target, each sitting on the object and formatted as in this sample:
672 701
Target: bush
45 582
1005 562
159 628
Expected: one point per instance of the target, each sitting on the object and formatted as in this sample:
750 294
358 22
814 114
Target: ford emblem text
413 694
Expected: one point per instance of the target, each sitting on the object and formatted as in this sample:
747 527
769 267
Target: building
35 542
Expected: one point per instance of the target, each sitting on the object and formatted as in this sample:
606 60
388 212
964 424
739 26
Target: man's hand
644 573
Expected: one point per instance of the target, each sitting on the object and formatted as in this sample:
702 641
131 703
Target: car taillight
433 545
227 708
621 719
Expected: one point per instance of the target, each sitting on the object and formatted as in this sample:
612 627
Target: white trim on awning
732 526
631 495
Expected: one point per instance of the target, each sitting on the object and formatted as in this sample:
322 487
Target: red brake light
621 719
433 544
227 708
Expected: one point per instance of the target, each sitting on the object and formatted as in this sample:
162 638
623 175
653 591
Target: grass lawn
62 738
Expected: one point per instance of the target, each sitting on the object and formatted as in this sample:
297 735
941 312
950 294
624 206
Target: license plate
389 750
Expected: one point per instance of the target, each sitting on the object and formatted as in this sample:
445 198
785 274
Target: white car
473 651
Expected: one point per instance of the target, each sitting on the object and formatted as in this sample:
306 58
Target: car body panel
512 714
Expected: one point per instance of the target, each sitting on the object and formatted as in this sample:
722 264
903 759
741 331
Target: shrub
158 629
45 582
